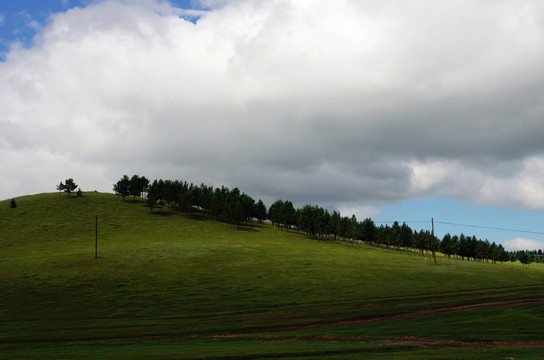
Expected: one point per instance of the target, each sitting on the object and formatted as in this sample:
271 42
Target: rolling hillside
166 285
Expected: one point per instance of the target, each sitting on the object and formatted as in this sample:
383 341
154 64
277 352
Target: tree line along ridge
236 208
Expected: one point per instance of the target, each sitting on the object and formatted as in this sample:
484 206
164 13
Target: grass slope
166 286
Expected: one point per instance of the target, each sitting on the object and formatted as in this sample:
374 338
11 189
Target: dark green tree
260 211
396 239
525 257
60 187
138 185
312 220
206 198
306 220
325 225
144 185
342 227
352 229
419 241
68 186
196 195
229 206
248 206
274 212
334 224
13 204
429 239
504 255
153 195
218 200
368 231
238 215
495 252
386 235
482 250
445 245
122 187
472 247
283 214
171 191
320 218
151 201
463 246
185 201
288 214
455 246
233 208
406 235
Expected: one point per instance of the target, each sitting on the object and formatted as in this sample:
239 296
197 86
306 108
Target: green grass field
170 286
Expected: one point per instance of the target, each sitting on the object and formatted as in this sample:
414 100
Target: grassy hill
168 286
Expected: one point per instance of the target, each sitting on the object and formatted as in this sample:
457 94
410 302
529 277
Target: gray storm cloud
345 103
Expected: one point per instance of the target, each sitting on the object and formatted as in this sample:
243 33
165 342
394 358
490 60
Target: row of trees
537 256
317 222
471 247
235 208
134 186
231 206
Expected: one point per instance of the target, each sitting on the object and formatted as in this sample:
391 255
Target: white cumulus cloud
518 244
350 104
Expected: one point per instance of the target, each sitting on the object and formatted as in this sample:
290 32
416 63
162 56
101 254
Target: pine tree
122 187
68 186
260 211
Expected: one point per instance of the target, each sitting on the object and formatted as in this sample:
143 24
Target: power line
400 222
491 228
466 225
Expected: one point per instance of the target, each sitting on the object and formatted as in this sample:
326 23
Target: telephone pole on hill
96 237
432 234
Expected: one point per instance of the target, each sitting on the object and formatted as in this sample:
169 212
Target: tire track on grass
406 315
411 341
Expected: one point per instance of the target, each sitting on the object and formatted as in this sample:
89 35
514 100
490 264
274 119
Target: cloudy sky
396 110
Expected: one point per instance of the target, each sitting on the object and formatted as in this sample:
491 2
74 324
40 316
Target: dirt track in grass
261 333
410 341
406 315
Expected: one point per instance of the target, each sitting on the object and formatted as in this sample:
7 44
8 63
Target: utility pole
432 234
96 237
